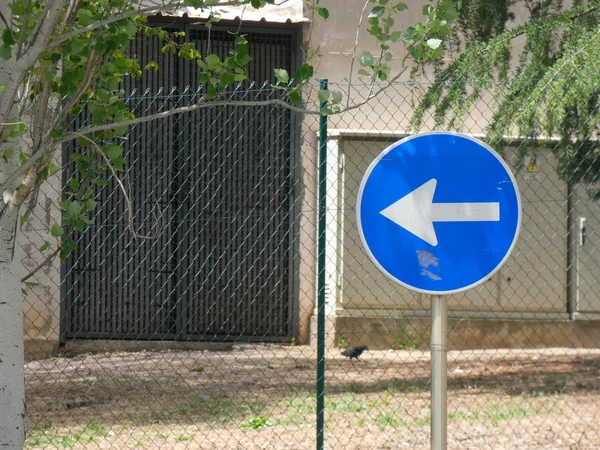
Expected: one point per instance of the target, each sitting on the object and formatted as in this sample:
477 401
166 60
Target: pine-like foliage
548 91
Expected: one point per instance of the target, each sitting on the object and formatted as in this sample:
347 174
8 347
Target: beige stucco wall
41 303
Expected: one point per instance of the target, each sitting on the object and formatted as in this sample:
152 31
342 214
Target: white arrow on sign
416 212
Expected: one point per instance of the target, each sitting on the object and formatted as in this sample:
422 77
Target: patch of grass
292 420
197 369
46 437
387 419
222 410
465 414
301 405
257 422
355 387
422 421
87 434
345 403
341 341
495 413
410 341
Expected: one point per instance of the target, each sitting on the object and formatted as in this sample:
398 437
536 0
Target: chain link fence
205 336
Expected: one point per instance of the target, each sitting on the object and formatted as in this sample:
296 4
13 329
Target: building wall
41 301
534 278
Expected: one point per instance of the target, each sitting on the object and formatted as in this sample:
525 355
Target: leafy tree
56 55
547 91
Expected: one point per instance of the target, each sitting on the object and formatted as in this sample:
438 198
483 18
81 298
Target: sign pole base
439 374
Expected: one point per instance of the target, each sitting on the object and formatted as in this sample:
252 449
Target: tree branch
29 58
170 5
200 105
44 263
6 186
354 51
114 18
128 202
207 104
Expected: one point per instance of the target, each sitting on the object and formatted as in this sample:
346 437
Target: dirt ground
263 397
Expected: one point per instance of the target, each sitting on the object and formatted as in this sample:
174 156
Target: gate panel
214 190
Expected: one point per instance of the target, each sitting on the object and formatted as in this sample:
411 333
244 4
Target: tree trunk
12 384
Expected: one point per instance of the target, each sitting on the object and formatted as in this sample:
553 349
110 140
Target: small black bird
355 352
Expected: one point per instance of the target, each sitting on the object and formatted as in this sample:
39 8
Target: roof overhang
283 11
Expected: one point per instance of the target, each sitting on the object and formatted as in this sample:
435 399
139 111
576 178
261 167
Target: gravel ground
263 397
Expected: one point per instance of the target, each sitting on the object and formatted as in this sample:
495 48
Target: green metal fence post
321 277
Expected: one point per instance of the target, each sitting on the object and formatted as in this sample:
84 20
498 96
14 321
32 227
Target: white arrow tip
413 212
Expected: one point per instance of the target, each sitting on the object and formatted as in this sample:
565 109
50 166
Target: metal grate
222 179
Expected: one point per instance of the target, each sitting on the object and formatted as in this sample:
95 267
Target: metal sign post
439 373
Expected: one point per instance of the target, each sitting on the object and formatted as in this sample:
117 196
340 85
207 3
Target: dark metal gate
216 189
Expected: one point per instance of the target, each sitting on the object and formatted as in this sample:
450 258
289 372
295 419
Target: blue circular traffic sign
438 212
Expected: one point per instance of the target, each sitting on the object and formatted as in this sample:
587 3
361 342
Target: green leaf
56 133
22 220
323 95
203 77
366 59
74 184
24 157
85 17
5 52
75 208
324 12
226 78
56 230
90 204
8 153
448 11
409 35
243 59
377 11
434 43
384 2
337 97
8 37
151 65
416 53
212 61
396 36
113 151
295 97
2 89
211 92
45 247
282 76
444 30
304 72
436 53
400 7
101 182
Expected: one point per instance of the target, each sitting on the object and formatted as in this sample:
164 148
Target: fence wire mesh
205 336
